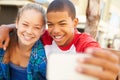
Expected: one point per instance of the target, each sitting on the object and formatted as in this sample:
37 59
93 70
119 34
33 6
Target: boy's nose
56 29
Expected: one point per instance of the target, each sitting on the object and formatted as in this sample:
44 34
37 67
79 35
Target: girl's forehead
32 13
32 16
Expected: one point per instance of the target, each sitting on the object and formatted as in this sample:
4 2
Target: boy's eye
62 23
50 25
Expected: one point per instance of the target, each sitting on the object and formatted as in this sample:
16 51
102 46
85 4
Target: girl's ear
75 22
43 30
16 24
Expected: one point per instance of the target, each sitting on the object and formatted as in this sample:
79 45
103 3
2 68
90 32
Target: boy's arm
4 35
106 59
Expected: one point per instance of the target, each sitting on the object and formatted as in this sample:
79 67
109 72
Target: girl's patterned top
36 69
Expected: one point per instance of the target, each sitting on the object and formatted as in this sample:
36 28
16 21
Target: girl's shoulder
2 52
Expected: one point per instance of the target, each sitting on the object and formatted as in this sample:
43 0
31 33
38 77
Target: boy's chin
61 44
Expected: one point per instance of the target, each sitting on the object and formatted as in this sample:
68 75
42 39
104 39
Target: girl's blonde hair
13 36
34 6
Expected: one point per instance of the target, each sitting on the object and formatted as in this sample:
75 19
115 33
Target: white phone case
62 67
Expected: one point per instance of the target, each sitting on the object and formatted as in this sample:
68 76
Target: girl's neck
21 55
24 50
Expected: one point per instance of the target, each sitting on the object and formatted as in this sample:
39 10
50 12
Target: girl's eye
37 28
25 25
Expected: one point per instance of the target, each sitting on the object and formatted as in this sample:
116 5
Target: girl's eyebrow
33 24
38 25
25 21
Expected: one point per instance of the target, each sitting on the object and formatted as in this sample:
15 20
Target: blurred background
104 14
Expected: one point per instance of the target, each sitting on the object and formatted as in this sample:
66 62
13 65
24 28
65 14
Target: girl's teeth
27 37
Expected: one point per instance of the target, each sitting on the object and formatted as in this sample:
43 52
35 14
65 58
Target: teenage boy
62 37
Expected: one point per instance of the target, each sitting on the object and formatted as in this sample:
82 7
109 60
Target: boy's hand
4 36
106 59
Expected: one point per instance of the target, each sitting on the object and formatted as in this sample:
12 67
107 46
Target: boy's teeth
58 37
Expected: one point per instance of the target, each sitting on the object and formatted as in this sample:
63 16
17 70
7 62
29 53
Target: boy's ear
76 22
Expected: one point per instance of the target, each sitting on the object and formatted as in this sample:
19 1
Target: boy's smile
60 27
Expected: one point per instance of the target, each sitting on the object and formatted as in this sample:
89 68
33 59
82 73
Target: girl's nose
29 30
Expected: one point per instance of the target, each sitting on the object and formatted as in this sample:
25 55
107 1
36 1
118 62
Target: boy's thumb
4 47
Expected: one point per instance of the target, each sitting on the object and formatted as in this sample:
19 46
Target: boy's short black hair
62 5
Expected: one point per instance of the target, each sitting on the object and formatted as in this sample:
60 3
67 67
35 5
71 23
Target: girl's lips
27 38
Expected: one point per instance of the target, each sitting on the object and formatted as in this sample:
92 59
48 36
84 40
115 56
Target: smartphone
62 67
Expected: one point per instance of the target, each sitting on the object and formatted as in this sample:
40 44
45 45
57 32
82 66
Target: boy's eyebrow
58 22
62 21
48 22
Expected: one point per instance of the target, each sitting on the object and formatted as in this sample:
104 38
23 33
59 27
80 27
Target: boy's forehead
60 12
56 17
57 14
